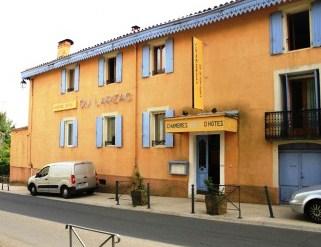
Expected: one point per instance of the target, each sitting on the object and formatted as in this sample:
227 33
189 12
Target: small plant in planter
138 193
214 199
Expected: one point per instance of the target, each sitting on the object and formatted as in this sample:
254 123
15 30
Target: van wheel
314 211
65 192
33 189
90 192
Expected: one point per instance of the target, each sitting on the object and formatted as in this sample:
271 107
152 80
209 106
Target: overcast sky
31 29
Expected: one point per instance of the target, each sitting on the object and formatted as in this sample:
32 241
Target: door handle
85 176
46 178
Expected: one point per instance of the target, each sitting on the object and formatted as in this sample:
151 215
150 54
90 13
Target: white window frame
105 127
278 82
152 45
152 131
68 121
68 82
106 58
293 9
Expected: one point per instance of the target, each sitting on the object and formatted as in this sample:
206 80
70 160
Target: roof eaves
198 19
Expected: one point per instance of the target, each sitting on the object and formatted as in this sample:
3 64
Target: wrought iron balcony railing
284 125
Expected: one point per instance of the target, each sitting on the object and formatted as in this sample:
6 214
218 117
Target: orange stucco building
129 102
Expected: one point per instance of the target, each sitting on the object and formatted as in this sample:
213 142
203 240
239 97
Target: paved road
155 227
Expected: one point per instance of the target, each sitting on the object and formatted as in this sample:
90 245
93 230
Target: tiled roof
194 20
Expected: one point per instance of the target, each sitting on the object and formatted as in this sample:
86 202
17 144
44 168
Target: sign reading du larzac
198 84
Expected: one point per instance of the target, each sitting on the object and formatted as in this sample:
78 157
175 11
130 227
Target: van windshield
84 169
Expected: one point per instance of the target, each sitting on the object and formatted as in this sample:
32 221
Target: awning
201 123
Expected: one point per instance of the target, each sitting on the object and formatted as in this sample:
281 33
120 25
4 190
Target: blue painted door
298 169
202 161
311 169
289 175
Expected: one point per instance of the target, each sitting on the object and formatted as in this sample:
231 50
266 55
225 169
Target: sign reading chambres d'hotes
200 123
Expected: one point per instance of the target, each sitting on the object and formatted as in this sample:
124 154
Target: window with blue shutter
119 65
62 134
316 23
169 137
101 71
63 84
118 131
146 130
276 33
169 49
74 133
145 62
76 78
99 132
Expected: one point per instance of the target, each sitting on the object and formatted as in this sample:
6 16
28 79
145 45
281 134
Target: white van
64 178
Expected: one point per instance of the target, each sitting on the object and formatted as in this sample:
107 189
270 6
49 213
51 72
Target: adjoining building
232 93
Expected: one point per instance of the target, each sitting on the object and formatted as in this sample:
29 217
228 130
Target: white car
308 201
64 178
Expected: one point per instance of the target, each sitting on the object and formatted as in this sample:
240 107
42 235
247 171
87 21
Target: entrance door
208 160
202 161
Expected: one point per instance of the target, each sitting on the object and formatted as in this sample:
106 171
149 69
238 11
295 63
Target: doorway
299 167
207 160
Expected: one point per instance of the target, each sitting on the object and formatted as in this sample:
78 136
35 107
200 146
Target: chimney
64 47
135 29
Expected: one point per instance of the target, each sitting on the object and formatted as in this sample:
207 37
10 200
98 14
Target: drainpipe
30 125
136 107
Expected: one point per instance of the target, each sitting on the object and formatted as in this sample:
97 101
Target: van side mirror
37 175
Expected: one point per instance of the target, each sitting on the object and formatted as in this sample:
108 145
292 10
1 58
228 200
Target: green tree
5 130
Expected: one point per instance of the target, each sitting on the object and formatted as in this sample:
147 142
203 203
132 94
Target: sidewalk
251 213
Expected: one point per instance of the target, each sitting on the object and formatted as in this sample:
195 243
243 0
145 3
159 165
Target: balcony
289 125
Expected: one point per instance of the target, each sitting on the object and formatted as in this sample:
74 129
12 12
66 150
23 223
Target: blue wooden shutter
101 71
169 49
118 131
99 132
169 137
62 134
145 63
74 133
146 130
317 88
63 85
316 23
76 78
276 33
287 93
119 65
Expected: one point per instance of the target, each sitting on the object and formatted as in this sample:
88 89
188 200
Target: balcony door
301 98
301 91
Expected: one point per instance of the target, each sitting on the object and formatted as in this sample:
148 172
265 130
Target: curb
259 221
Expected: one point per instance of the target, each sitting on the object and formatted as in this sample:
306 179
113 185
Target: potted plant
215 202
138 193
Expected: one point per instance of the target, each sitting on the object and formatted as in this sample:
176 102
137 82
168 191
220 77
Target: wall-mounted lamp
23 83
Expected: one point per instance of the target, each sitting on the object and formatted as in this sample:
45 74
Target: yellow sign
200 124
65 106
198 83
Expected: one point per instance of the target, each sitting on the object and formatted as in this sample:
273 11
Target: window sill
110 82
69 146
109 146
160 72
159 146
297 50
